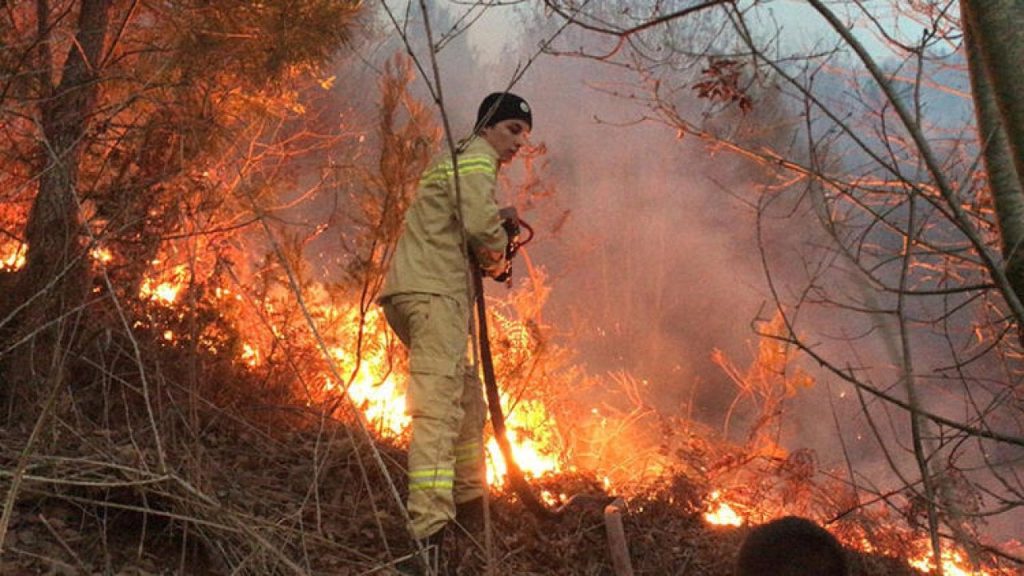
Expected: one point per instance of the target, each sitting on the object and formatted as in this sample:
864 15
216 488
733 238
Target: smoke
649 239
650 251
653 262
651 248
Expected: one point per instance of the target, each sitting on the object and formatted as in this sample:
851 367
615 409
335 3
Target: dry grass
295 501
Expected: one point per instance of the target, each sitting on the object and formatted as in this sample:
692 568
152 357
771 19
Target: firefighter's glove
510 222
505 274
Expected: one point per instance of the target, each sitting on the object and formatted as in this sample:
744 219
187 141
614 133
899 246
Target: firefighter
427 302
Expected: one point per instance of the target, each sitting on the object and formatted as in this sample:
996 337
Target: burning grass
296 502
211 422
252 463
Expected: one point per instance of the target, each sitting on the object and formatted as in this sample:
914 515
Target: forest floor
310 500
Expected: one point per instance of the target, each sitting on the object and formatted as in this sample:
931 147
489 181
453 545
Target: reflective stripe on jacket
428 257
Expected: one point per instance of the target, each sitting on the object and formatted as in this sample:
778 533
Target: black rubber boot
470 516
428 561
469 532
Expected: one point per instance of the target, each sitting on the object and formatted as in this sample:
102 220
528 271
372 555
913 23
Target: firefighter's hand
505 274
492 262
510 223
508 213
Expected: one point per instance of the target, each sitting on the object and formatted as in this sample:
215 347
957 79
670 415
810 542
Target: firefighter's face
507 137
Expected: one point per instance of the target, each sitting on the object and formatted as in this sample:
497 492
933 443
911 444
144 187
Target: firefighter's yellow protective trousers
445 401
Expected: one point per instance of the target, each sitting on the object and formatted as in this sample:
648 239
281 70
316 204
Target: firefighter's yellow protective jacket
427 303
429 257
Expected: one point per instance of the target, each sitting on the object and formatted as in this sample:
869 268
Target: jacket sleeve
487 238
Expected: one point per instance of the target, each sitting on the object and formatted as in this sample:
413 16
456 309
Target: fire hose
517 481
516 478
613 508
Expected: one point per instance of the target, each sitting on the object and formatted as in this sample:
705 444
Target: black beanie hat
500 106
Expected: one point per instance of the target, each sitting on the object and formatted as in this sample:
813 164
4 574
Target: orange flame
530 431
380 400
954 562
166 288
12 256
722 514
377 390
551 499
528 455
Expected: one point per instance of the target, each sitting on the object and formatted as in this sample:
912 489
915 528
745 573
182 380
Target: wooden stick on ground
617 538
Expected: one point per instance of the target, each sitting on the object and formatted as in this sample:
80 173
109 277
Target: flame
166 292
12 256
101 255
551 499
723 514
360 349
530 429
166 288
250 355
376 389
382 402
530 457
222 293
954 562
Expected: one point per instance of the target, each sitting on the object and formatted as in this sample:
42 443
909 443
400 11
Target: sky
801 25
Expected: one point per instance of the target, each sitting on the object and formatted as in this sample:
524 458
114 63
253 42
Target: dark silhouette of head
790 546
499 106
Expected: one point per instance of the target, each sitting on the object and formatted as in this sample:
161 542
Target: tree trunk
54 281
1003 177
999 33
